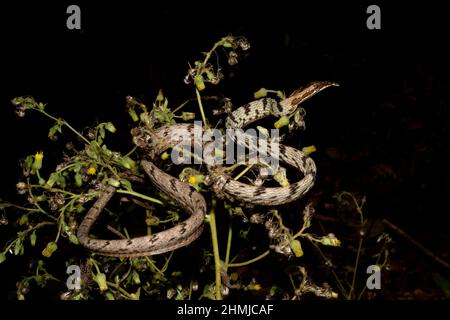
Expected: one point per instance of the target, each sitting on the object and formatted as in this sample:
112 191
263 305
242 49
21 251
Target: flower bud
283 121
261 93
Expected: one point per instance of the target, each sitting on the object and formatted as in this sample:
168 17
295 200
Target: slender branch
241 264
200 105
140 195
358 254
215 244
67 125
418 245
230 237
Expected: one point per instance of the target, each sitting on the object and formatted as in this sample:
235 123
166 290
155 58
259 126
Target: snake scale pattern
153 143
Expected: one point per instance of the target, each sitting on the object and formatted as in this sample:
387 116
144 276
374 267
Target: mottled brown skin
155 142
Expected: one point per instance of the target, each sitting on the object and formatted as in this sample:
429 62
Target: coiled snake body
154 143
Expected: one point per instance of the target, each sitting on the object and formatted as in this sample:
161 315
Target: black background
391 110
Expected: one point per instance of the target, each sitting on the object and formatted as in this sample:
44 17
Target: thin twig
415 243
116 232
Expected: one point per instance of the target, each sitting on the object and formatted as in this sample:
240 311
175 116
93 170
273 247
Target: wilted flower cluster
203 71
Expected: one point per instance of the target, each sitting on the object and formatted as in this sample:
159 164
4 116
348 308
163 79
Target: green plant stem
24 233
155 268
131 151
241 264
166 264
244 171
121 290
190 289
200 105
140 195
352 288
36 204
9 204
66 124
181 106
230 237
341 286
54 190
66 167
215 244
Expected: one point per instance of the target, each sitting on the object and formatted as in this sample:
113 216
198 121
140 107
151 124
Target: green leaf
297 248
160 96
136 278
53 130
127 162
18 247
107 152
91 152
73 238
2 257
115 183
133 115
80 208
41 198
101 129
135 296
77 167
100 278
40 281
54 177
126 184
109 296
78 180
160 115
110 127
28 162
33 238
23 220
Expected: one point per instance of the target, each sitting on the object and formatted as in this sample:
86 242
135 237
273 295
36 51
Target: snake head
298 96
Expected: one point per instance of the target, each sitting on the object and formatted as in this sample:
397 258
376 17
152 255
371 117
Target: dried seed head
232 58
21 187
243 43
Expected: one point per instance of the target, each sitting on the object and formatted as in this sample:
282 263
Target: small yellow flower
330 240
37 164
165 156
192 180
91 171
260 93
308 150
283 121
256 287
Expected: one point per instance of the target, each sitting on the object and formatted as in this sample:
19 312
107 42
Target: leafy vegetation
55 202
